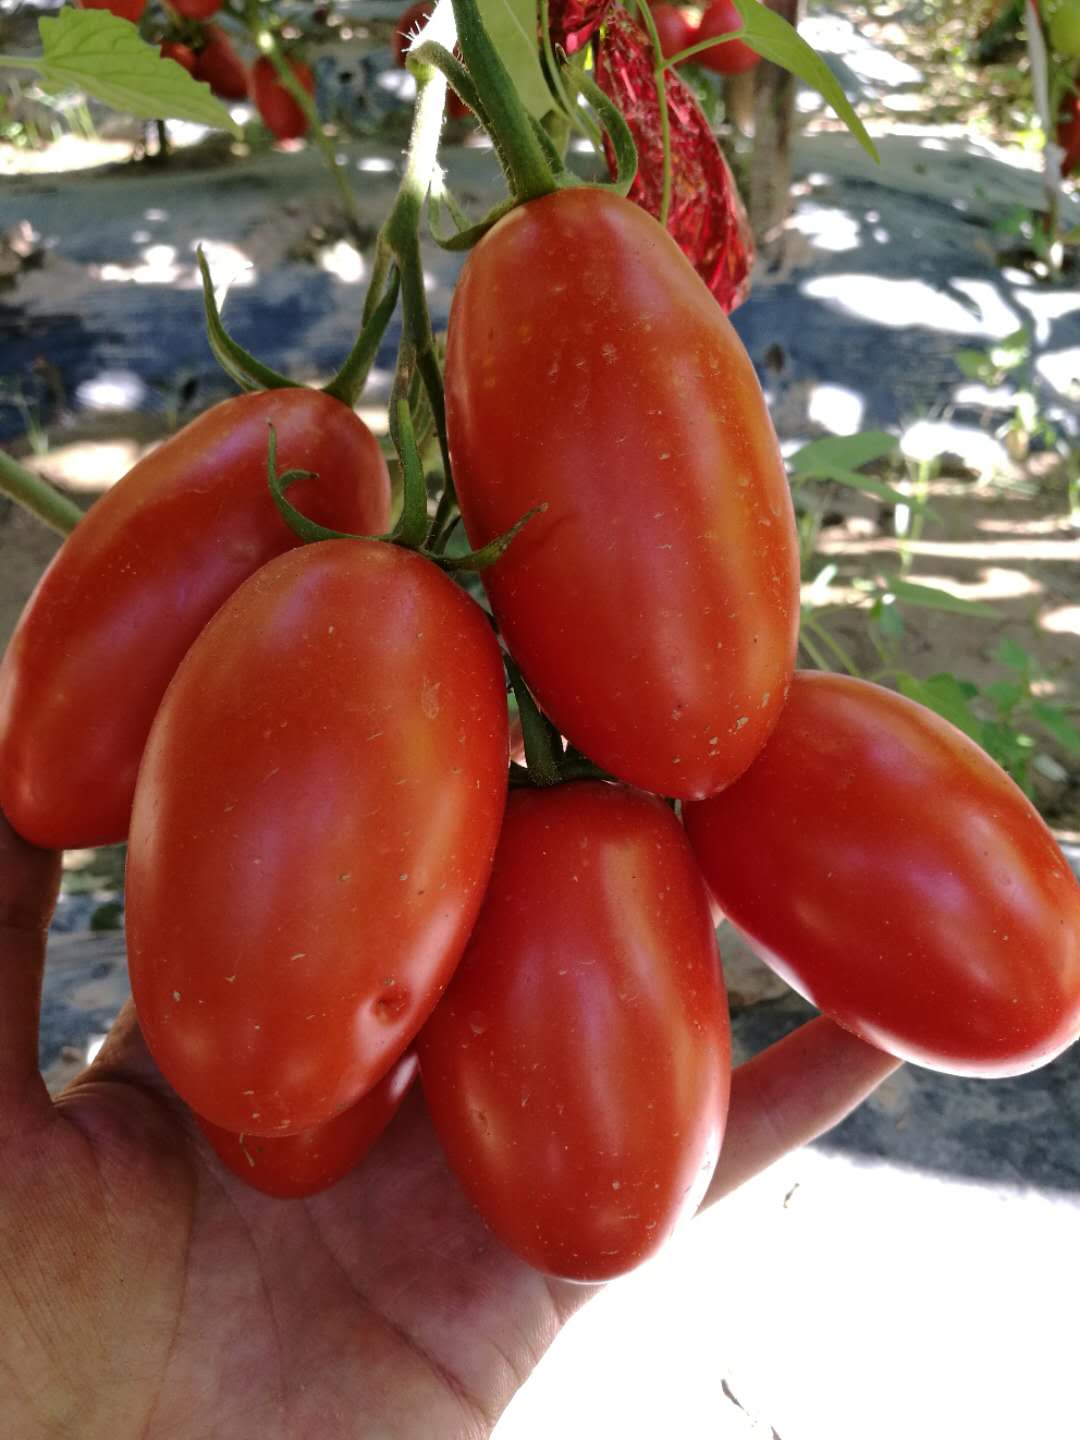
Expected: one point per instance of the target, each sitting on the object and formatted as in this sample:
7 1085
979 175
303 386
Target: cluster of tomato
206 52
676 31
334 880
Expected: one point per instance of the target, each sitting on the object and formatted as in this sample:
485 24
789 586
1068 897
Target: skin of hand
147 1294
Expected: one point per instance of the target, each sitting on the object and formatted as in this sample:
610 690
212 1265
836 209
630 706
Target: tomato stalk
239 364
543 744
696 49
528 169
38 496
646 16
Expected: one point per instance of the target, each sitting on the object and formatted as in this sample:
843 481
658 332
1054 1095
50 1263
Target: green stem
38 496
542 746
348 384
412 525
812 623
693 50
528 170
665 119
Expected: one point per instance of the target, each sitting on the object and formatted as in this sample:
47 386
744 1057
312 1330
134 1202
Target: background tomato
1068 130
673 29
407 27
137 580
885 867
183 54
313 829
196 9
293 1166
280 113
734 56
221 67
654 606
577 1069
125 9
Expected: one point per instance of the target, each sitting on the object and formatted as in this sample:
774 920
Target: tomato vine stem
38 496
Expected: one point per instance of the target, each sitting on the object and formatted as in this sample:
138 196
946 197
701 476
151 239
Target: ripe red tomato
734 56
292 1166
124 9
673 29
577 1069
890 872
1068 130
280 113
182 54
196 9
313 829
221 67
134 584
653 607
410 22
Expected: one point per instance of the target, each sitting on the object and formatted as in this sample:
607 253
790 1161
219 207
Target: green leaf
1058 724
774 39
1006 694
94 51
869 485
948 697
511 24
933 599
1013 655
1012 351
975 364
841 452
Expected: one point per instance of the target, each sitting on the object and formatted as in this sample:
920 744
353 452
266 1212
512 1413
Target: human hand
145 1291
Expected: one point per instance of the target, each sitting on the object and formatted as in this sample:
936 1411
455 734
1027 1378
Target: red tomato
220 66
182 54
1068 130
124 9
313 829
292 1166
889 871
196 9
280 113
134 584
407 28
734 56
577 1069
673 29
654 606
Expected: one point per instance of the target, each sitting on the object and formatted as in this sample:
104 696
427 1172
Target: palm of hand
193 1306
145 1291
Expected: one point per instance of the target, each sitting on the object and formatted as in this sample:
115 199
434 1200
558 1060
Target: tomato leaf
1013 655
96 52
931 598
511 24
774 39
1059 726
841 452
948 697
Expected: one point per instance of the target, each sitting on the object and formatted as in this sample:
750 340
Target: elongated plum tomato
653 606
280 113
896 877
293 1166
123 9
137 580
578 1067
732 57
313 829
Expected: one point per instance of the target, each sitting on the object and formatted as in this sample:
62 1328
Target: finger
791 1093
29 879
125 1057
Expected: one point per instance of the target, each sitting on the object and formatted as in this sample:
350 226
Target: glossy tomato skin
221 67
673 29
577 1069
292 1167
313 829
895 876
181 53
280 113
136 581
124 9
733 57
654 606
